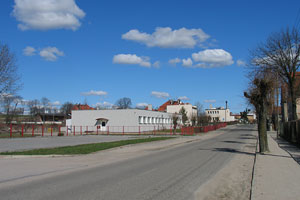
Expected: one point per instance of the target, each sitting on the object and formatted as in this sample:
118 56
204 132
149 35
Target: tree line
273 64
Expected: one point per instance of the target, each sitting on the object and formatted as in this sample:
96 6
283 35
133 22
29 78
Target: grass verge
84 148
14 135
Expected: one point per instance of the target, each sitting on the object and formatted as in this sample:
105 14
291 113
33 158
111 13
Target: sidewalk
277 174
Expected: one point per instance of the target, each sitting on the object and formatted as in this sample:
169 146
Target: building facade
145 120
189 108
219 114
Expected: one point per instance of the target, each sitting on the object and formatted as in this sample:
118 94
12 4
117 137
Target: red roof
82 107
163 107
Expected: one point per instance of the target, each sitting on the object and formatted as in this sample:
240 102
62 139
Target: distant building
219 114
172 106
251 117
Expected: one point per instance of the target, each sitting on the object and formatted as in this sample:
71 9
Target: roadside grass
84 148
14 135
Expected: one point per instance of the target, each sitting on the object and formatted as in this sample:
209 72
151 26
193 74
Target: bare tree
34 107
175 122
193 118
124 103
8 71
183 113
199 108
258 96
281 54
66 108
45 104
10 103
202 118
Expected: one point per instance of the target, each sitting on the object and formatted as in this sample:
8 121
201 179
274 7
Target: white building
189 108
117 120
219 114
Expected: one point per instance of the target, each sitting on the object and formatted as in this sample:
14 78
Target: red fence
31 130
201 129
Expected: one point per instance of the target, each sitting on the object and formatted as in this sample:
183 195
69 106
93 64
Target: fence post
139 130
87 130
171 130
59 130
107 130
10 130
80 130
67 131
123 130
51 131
42 130
22 130
97 129
74 129
32 130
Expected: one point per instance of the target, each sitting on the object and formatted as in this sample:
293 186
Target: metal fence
32 130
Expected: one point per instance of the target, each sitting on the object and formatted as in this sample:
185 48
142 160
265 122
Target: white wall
190 109
122 117
222 114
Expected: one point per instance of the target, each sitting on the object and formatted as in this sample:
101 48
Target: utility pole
226 110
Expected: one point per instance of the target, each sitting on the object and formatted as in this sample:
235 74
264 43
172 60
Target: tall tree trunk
262 132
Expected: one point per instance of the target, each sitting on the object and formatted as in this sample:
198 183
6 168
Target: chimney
150 107
226 104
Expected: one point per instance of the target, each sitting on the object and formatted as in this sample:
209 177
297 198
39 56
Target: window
145 120
149 120
140 119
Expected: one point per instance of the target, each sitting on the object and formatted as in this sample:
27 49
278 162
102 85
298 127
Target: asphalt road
174 173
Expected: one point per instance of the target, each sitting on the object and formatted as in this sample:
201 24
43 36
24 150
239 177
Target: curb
253 170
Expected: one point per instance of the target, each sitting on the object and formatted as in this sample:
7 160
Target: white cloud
29 51
210 58
94 93
104 104
51 53
187 62
240 63
156 64
160 95
165 37
55 103
210 101
174 61
184 98
132 59
47 14
141 105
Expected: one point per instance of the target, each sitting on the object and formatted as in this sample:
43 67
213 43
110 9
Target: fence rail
32 130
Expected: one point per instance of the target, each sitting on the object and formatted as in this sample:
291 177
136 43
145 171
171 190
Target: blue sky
100 51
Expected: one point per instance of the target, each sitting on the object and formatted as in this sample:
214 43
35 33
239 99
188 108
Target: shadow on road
231 150
234 142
